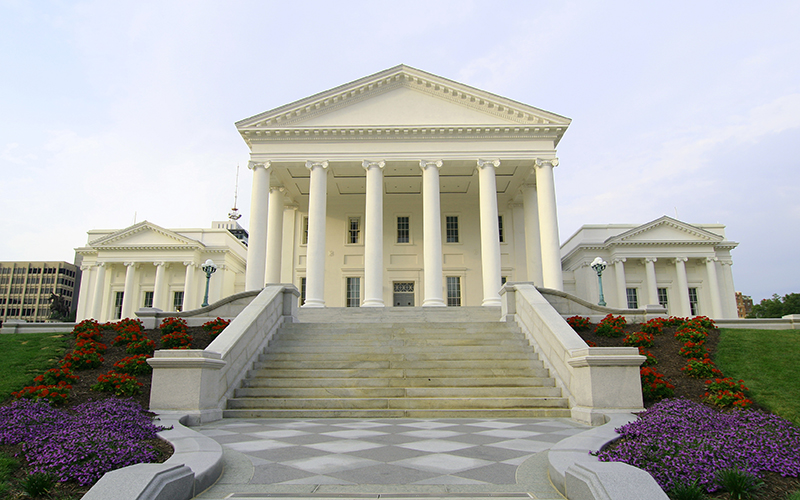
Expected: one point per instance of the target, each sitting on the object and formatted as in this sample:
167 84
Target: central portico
403 188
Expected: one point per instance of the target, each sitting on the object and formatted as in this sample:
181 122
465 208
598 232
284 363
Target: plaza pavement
386 458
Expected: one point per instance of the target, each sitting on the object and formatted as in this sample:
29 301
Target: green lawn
26 355
769 363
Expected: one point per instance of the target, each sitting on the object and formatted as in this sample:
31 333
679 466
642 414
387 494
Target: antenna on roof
234 213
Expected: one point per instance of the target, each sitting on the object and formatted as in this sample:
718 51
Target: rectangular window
304 237
148 299
402 229
118 305
302 291
353 292
177 301
662 298
694 309
354 231
451 226
454 291
500 228
503 280
633 298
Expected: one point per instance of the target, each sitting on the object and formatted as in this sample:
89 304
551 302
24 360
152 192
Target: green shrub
611 326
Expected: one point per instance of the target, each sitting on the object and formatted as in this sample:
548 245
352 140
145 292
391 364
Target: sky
116 112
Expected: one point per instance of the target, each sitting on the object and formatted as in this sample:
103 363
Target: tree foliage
777 306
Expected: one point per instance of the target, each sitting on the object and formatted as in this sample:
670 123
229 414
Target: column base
492 302
433 303
373 303
314 303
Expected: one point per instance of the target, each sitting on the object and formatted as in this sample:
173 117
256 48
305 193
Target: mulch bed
666 350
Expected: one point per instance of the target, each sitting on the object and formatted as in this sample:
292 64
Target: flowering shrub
639 339
579 323
590 343
119 384
700 368
688 334
654 326
55 393
143 346
126 323
680 441
86 326
84 358
651 360
215 326
55 375
611 326
129 334
172 325
694 349
133 365
84 343
673 321
702 321
83 444
726 392
176 340
654 386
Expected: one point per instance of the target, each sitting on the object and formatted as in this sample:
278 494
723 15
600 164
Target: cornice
138 228
666 221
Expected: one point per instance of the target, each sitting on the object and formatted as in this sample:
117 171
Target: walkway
372 458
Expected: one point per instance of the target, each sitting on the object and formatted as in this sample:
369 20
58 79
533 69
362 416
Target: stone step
408 328
385 413
417 342
400 382
398 373
406 403
397 392
382 350
420 356
405 315
300 364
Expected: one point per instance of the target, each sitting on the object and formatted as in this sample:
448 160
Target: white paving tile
344 446
449 480
354 433
523 445
426 424
330 463
516 461
278 433
443 463
366 424
508 433
259 445
436 445
296 424
432 433
495 424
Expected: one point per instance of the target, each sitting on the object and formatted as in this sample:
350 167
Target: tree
777 306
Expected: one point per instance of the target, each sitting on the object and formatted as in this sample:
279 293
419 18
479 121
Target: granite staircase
409 362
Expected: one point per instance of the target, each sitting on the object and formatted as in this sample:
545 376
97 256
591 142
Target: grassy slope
768 361
27 355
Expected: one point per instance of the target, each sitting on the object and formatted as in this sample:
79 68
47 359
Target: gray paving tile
443 463
325 464
388 453
480 439
288 454
393 439
383 474
344 446
309 439
276 473
493 473
490 453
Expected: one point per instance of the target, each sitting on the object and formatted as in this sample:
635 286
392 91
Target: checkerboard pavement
417 452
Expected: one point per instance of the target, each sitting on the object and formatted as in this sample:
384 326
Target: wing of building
145 265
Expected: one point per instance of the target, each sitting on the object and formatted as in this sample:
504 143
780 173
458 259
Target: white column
622 288
533 240
315 255
189 287
728 291
548 224
159 291
684 308
518 233
650 278
84 303
373 235
274 235
257 235
99 291
128 296
490 236
713 286
287 254
432 233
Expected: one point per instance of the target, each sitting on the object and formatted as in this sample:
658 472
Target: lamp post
208 267
599 265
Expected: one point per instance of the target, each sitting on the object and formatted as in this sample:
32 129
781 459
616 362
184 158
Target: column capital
101 264
367 164
277 188
618 260
513 205
189 263
159 263
647 260
86 267
541 162
131 264
726 262
711 259
311 164
681 259
423 164
253 165
485 163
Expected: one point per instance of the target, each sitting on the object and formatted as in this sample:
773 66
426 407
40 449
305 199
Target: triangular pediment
403 97
144 235
665 229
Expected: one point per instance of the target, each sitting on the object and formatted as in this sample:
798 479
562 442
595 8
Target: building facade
403 189
145 265
684 267
26 287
